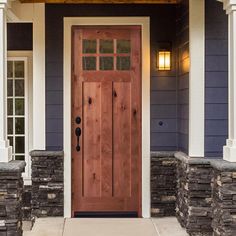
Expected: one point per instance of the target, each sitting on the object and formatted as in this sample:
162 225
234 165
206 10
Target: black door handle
78 133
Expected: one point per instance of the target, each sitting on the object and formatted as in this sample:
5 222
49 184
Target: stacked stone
194 196
182 194
26 202
224 199
47 183
163 184
11 188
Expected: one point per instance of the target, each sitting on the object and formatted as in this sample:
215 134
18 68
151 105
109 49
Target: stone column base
193 205
47 183
11 188
224 198
163 184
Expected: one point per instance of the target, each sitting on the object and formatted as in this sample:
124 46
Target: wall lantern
164 60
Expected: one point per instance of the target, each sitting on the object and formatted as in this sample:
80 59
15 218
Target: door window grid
16 107
99 56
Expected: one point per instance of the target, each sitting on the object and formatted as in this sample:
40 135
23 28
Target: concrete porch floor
167 226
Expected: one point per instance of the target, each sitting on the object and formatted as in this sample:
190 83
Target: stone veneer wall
163 184
11 188
224 198
47 183
26 202
194 194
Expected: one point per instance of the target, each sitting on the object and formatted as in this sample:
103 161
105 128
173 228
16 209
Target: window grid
97 55
14 135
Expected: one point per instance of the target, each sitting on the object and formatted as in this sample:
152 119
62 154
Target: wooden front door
106 119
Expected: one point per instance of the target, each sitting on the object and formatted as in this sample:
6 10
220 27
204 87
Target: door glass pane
19 106
106 46
19 69
106 63
10 106
89 46
9 87
10 69
19 87
89 63
123 63
20 125
10 125
123 46
20 145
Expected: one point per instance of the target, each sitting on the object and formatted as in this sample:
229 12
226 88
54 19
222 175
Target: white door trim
144 22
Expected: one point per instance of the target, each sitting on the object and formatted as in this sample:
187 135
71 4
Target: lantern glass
164 62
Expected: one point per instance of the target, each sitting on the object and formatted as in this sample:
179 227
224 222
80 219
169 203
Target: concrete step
167 226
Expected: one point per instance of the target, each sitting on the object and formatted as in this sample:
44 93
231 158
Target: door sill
97 214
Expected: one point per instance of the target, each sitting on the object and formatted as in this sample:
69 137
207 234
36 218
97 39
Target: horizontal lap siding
20 36
54 83
182 37
216 79
163 84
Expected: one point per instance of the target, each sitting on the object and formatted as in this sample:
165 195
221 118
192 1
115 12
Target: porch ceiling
104 1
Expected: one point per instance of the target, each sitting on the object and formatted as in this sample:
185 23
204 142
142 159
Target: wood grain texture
107 170
103 1
91 139
122 137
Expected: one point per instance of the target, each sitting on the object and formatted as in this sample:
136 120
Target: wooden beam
103 1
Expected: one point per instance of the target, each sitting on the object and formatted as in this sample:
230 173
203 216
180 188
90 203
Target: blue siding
163 84
169 96
216 76
20 36
182 37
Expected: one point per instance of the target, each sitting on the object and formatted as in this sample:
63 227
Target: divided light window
17 106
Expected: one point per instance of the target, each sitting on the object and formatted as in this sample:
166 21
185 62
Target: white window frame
27 57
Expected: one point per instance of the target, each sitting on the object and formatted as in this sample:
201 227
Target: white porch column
196 77
5 149
39 76
229 150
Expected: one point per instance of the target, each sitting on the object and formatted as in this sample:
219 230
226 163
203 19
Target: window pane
89 46
123 63
20 144
106 63
10 69
89 63
19 69
19 157
10 106
20 125
123 46
106 46
9 87
9 125
19 87
19 106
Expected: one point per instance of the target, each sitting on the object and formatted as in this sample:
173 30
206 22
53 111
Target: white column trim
39 77
144 22
197 78
229 151
5 149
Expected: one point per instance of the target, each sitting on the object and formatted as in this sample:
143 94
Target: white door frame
144 22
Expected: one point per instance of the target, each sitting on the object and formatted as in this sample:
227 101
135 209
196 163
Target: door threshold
109 214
